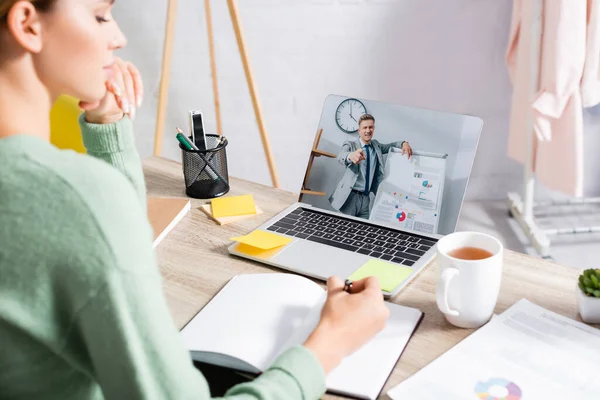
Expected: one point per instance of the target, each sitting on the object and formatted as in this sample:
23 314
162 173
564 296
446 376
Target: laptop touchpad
319 260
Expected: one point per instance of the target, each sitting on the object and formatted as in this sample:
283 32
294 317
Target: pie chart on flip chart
401 216
497 389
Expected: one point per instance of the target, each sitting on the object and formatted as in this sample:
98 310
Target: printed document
525 353
410 194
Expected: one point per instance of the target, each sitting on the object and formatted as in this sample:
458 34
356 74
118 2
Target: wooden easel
315 152
166 72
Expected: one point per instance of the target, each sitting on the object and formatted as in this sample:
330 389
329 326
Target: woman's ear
24 25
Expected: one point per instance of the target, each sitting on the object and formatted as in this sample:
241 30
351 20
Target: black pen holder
205 171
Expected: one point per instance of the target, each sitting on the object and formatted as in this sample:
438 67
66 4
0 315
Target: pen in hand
348 286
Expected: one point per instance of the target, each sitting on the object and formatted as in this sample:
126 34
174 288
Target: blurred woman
82 312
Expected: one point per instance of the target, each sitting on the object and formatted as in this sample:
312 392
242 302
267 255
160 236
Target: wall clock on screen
347 114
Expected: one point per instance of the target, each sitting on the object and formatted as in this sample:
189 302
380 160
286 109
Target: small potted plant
588 296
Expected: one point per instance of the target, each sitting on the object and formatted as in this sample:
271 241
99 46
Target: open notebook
164 213
256 317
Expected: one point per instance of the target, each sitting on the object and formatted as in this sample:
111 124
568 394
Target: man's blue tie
368 169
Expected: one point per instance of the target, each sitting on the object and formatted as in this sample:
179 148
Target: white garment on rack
590 82
556 107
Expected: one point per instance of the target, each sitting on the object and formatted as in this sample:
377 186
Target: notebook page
252 316
304 329
364 373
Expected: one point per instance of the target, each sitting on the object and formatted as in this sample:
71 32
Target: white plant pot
589 307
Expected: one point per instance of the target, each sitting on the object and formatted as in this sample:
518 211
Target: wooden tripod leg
233 10
165 76
311 159
317 139
306 176
213 66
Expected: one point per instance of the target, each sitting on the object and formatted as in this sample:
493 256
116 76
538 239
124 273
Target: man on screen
363 159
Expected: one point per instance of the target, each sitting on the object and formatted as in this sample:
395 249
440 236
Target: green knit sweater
82 312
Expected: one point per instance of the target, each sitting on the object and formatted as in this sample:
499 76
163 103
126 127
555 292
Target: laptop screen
402 166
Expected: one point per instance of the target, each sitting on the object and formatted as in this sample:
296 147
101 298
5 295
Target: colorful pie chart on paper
497 389
401 216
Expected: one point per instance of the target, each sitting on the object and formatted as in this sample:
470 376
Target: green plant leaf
595 281
597 293
581 287
589 290
581 279
587 281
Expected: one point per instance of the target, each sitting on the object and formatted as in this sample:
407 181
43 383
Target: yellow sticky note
263 240
233 206
389 275
256 252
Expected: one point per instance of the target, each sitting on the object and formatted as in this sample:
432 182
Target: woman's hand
124 93
348 321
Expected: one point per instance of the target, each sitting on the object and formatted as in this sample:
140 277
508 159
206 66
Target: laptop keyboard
363 238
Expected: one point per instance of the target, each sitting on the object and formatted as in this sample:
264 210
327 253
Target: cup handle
442 292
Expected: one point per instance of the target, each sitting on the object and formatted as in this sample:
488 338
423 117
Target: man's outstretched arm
386 147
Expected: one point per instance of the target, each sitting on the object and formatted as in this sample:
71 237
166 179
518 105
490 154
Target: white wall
438 54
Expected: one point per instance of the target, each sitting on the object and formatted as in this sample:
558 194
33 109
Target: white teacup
468 285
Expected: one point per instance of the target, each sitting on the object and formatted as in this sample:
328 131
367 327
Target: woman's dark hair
6 5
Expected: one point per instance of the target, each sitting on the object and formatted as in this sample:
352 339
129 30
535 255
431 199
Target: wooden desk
195 264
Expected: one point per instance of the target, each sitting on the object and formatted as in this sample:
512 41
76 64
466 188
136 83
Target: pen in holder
205 171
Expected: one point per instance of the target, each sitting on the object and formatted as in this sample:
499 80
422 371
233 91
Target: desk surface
195 264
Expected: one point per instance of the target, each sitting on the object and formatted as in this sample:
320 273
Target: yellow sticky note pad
389 275
256 252
233 206
263 240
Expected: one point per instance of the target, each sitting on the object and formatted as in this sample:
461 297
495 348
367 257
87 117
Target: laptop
390 201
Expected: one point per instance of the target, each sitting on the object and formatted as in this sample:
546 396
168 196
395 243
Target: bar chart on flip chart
411 192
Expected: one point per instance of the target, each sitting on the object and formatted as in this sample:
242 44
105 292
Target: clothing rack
521 207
